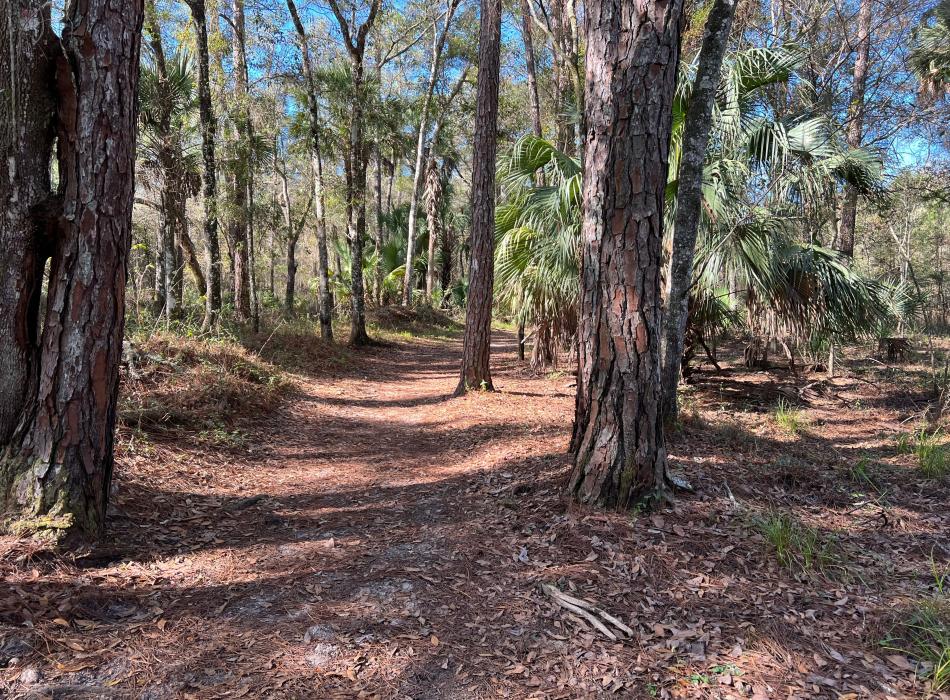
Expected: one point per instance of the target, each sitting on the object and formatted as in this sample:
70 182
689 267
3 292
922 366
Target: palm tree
765 186
166 152
537 242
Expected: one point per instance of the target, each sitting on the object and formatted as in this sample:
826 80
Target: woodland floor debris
446 516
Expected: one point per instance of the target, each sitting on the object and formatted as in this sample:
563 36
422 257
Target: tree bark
849 206
27 130
293 236
56 423
531 64
689 191
355 167
433 202
445 273
438 44
617 445
242 168
378 242
436 134
209 174
167 268
188 246
316 160
475 372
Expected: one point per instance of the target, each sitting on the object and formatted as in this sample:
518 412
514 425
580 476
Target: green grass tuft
931 454
924 637
860 473
788 418
796 545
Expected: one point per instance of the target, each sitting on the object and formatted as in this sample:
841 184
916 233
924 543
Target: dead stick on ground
589 606
585 610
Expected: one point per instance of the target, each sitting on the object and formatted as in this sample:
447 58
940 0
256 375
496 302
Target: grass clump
798 546
929 450
924 636
860 473
788 418
931 454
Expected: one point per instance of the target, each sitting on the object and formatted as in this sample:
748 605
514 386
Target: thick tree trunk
617 445
316 160
56 463
27 110
476 373
689 197
209 174
849 206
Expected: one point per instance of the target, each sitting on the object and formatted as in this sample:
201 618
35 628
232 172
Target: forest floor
347 529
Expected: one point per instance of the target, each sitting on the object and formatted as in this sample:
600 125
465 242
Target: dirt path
378 538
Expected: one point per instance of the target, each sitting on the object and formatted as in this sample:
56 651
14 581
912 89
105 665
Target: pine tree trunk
849 206
617 445
476 373
56 463
689 196
209 174
27 111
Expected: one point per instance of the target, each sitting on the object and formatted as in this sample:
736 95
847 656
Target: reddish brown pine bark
57 428
617 445
481 276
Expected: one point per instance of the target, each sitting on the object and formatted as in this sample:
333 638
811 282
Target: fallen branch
587 611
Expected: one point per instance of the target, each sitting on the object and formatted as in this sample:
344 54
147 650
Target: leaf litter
375 538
